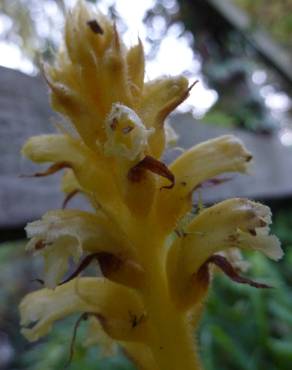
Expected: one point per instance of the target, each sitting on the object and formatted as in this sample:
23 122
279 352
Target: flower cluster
155 255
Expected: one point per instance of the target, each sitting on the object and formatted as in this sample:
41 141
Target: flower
153 252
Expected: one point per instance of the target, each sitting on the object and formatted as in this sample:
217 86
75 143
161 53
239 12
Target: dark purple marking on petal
82 266
95 27
51 170
151 164
229 270
68 197
40 281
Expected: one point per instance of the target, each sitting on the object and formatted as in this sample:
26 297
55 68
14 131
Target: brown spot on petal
262 223
40 244
51 170
180 233
109 263
252 232
228 270
128 129
114 124
123 271
151 164
68 197
248 157
136 320
95 27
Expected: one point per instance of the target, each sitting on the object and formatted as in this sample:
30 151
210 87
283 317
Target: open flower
155 254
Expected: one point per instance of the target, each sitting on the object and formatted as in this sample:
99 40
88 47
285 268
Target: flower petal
196 165
161 97
90 73
231 223
68 233
127 137
92 232
91 170
234 223
94 295
69 182
136 66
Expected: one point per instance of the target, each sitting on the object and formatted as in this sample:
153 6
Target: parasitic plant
156 255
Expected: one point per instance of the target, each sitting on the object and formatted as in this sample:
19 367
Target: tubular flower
154 253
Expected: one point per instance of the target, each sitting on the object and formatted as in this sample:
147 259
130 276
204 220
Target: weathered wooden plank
24 111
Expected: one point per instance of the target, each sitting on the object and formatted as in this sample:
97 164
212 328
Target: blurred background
240 51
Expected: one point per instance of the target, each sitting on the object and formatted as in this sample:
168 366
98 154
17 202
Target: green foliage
275 16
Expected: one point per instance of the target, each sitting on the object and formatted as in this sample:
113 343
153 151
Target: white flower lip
126 134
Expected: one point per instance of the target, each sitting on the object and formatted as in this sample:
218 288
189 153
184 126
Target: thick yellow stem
171 338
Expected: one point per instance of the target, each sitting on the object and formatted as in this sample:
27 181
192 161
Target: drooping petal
70 233
93 295
90 231
196 165
234 223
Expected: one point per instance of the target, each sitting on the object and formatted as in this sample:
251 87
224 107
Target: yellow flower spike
154 255
44 307
196 165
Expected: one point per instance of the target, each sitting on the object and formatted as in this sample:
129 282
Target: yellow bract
153 251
